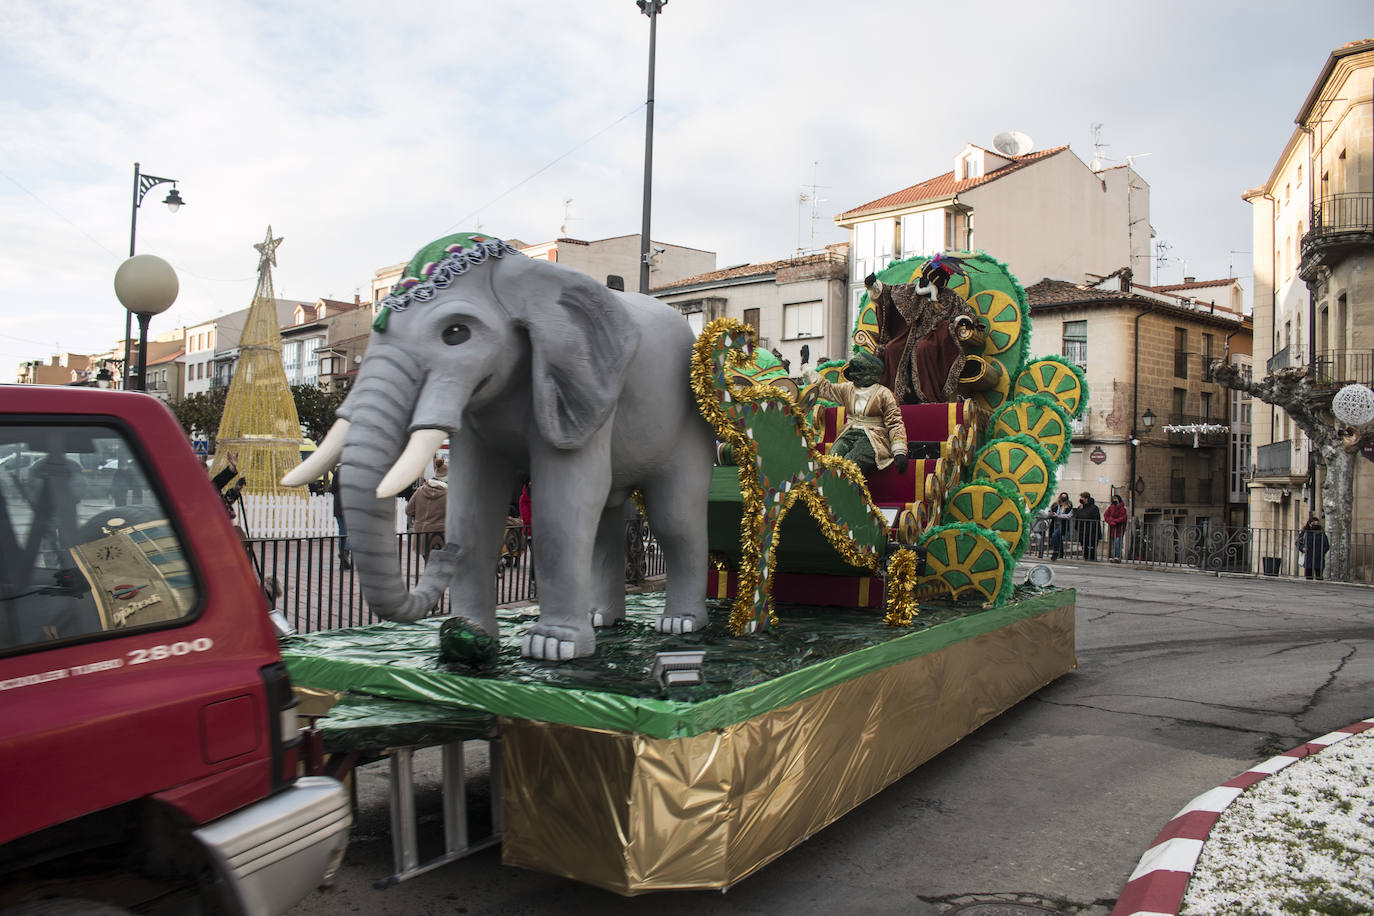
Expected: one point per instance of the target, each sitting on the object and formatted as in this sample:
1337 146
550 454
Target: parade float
824 631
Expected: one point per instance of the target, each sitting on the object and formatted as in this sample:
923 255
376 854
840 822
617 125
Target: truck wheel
64 906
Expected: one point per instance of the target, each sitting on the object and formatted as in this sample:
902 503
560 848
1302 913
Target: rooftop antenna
814 199
1099 160
1161 246
1231 271
567 207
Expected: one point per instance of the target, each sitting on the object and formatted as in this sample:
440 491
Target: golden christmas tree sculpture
260 421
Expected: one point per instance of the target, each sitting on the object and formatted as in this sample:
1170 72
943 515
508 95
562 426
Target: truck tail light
283 729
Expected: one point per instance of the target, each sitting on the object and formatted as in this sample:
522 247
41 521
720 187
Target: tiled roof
741 271
1196 284
947 185
1055 293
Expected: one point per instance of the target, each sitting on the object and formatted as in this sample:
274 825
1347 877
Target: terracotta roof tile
740 271
1196 284
947 185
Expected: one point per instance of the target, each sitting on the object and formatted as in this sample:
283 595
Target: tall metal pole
650 8
129 316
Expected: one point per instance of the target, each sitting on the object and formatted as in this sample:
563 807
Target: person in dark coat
1061 512
1088 521
345 555
1314 544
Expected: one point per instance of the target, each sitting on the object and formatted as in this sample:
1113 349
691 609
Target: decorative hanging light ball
1353 405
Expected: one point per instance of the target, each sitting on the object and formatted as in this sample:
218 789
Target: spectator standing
427 508
345 555
1115 517
1313 544
1061 512
1088 519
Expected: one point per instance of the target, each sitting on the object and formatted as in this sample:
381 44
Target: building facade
796 306
1157 431
1314 296
1045 214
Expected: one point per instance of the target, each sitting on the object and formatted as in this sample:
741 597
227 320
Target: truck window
86 547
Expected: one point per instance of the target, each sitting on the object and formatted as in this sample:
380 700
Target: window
802 319
923 233
872 246
1180 405
1076 342
1206 406
1299 181
1180 352
1207 356
102 554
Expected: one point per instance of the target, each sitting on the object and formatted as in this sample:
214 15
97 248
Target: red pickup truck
148 735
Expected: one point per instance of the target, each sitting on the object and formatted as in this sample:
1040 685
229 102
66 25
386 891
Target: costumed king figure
920 351
873 436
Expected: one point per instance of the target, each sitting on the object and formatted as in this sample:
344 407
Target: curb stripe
1157 885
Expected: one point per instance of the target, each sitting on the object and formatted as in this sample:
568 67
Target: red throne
926 424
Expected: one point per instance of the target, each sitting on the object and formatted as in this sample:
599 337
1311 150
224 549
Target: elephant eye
455 334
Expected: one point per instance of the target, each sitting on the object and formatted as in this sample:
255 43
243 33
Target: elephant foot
601 619
555 643
668 624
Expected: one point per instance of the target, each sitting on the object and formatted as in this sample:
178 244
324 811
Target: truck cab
148 735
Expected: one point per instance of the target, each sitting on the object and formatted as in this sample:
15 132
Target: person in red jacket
1115 517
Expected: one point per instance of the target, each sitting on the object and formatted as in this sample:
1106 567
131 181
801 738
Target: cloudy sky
361 131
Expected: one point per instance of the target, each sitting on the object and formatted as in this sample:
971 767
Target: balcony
1280 360
1338 368
1215 438
1339 223
1275 460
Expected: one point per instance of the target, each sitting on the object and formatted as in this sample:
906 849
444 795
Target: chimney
1189 279
357 300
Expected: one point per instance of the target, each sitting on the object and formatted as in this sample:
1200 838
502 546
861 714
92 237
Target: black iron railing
1340 213
317 589
1342 367
1207 548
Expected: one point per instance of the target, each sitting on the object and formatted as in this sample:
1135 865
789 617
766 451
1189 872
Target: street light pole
143 183
650 8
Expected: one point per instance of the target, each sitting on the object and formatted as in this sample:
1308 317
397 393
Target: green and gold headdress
435 266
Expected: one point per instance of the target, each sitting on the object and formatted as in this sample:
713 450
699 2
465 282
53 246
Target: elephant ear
581 346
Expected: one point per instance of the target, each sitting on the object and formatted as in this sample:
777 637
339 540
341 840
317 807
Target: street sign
1097 455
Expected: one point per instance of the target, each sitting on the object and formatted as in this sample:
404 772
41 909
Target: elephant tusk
324 457
423 444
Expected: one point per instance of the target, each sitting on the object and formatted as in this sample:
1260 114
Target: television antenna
567 208
808 195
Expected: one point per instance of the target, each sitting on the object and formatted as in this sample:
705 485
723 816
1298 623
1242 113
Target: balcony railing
1341 367
1341 213
1274 460
1280 360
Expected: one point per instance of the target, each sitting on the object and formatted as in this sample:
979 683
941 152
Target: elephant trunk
376 434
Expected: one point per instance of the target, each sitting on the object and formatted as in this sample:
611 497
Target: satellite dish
1013 143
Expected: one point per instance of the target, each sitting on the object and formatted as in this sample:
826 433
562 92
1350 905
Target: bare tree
1309 404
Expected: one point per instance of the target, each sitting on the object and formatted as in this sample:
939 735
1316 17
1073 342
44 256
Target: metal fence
317 588
1255 551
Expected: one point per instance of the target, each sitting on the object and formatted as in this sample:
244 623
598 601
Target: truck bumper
277 851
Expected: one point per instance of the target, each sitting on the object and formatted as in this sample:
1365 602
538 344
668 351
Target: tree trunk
1310 407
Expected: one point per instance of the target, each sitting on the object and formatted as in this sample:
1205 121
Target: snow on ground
1299 841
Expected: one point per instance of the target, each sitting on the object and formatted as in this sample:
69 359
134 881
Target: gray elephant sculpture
527 368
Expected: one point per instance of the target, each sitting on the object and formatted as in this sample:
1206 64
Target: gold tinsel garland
712 356
901 589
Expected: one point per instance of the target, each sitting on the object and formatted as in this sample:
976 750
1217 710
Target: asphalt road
1183 681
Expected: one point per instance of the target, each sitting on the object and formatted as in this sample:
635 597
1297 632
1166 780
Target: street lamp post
650 8
143 183
1147 422
147 286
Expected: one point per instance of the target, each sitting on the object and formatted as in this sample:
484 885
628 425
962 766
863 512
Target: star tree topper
267 249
